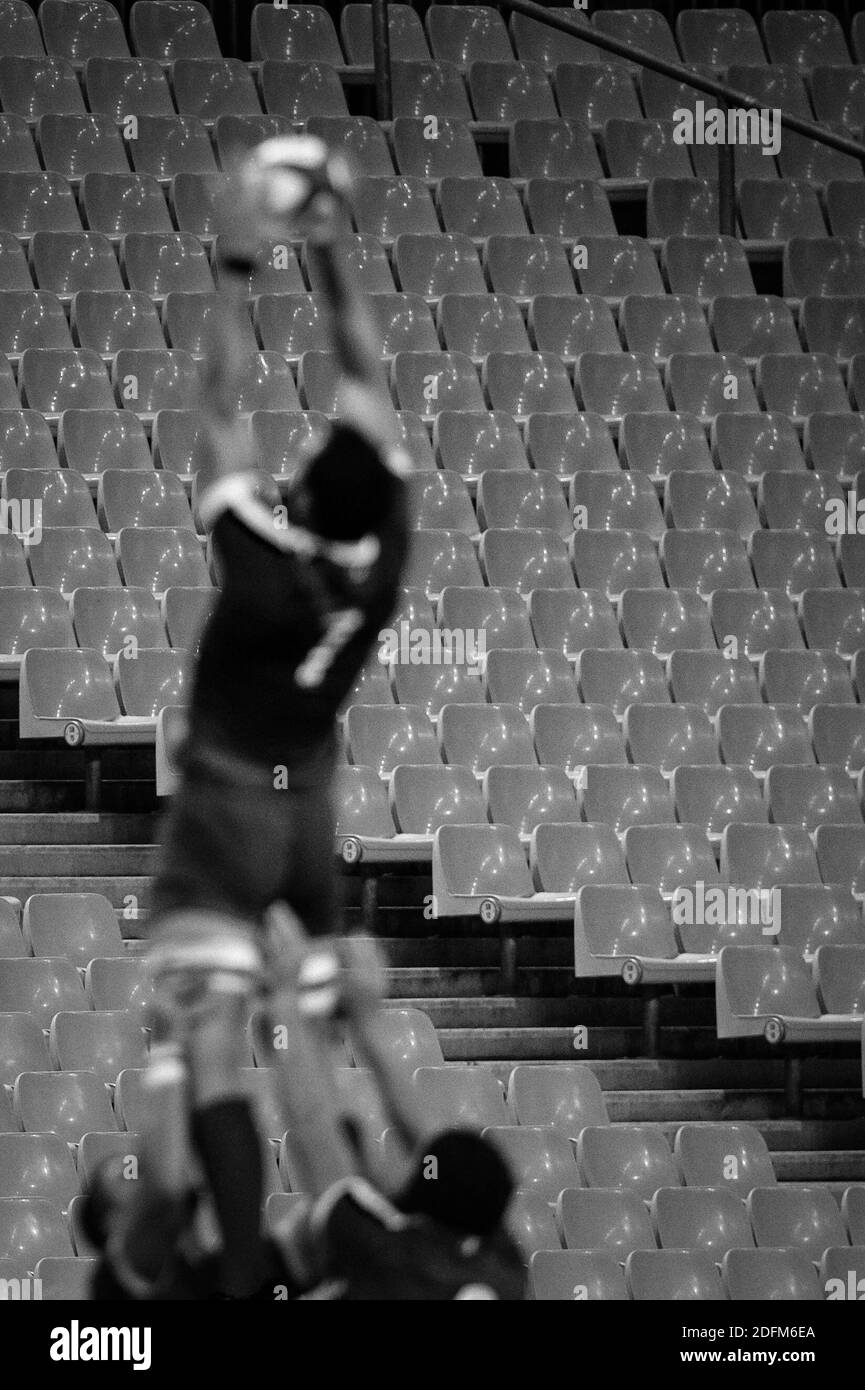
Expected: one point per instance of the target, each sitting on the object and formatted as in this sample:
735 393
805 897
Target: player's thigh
310 883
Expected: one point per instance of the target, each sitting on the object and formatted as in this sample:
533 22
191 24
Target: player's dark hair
350 489
462 1182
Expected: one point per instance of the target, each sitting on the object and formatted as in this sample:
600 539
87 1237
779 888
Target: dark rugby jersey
289 633
372 1251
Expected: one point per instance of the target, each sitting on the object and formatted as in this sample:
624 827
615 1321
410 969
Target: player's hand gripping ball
295 182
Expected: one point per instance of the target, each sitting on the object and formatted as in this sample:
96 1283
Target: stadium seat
32 617
756 737
625 796
604 1221
662 620
423 798
722 501
91 441
500 613
756 444
441 559
78 926
158 263
463 1097
565 444
805 1219
707 267
432 686
669 735
638 151
825 266
570 325
504 92
564 1096
69 557
529 678
845 207
800 385
14 272
407 39
115 204
567 621
566 856
547 149
478 324
833 326
120 983
719 38
361 139
32 86
549 46
753 326
706 384
615 267
525 797
158 558
705 560
568 208
532 1223
168 146
793 561
69 1104
119 86
811 796
574 1275
66 262
686 206
663 444
72 146
615 502
211 87
595 92
523 266
834 622
705 1219
628 1158
427 382
776 210
150 681
25 438
840 975
480 736
658 325
103 1043
464 35
717 796
17 151
807 678
37 1165
525 559
541 1157
616 384
31 1229
20 30
471 442
771 1276
613 561
669 856
440 500
36 202
571 735
107 321
839 854
757 620
179 29
523 383
838 732
667 1275
481 870
381 737
453 152
811 38
764 856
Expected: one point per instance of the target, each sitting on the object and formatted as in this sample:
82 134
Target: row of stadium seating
175 29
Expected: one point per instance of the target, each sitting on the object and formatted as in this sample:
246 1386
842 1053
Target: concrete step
81 828
79 859
116 888
591 1012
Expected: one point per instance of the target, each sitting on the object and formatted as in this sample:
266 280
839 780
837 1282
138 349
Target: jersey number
340 627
